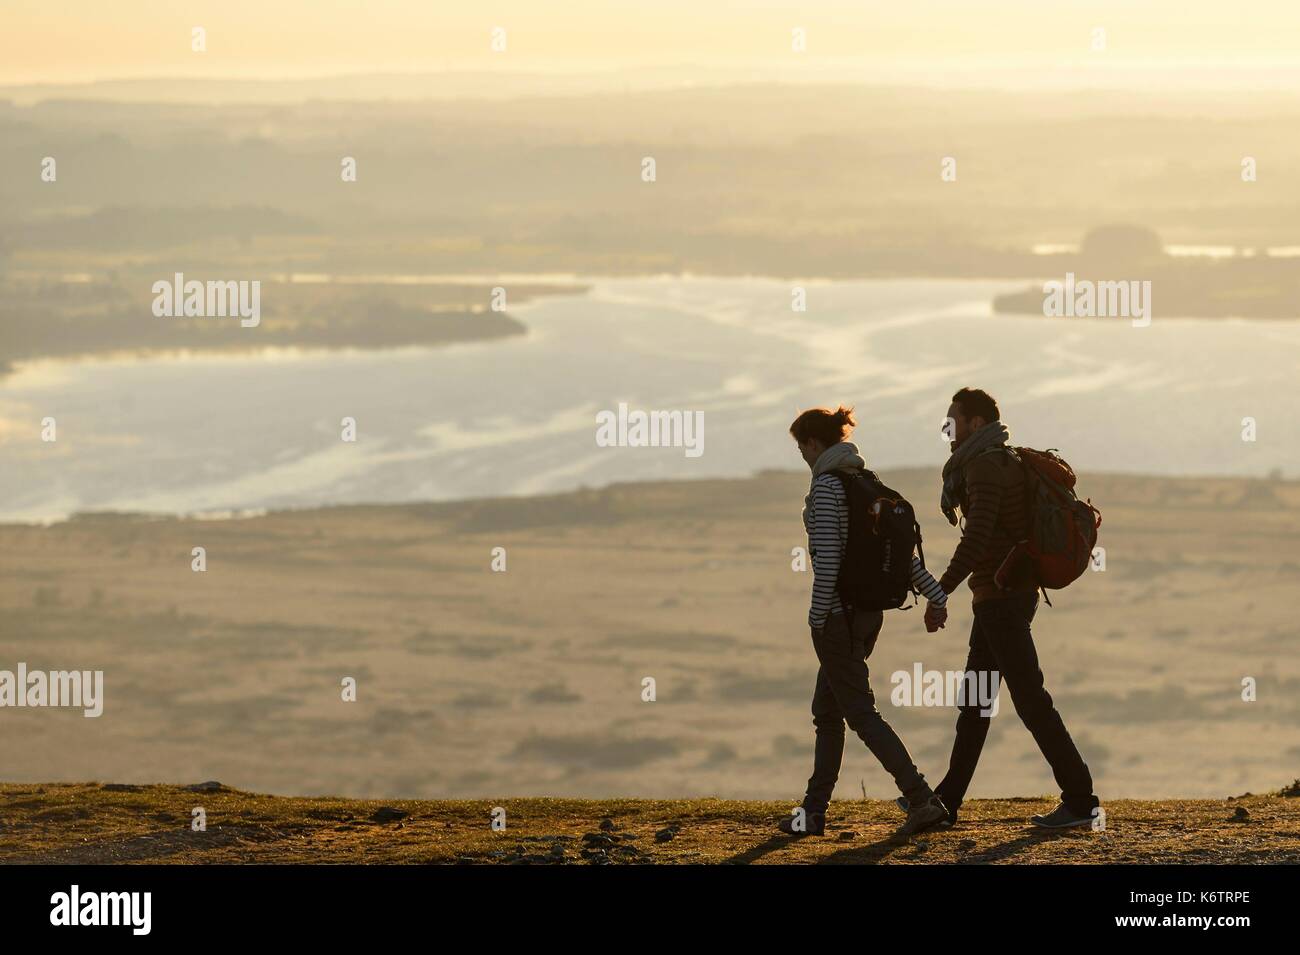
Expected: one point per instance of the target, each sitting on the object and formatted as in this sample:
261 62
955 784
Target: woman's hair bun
828 427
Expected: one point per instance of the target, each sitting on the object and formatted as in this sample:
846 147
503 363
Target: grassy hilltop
115 823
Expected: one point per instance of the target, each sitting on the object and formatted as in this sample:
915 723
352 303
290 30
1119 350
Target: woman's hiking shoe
923 817
948 823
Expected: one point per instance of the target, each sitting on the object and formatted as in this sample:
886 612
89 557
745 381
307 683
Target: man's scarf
992 435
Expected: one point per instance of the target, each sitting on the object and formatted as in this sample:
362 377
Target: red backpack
1062 529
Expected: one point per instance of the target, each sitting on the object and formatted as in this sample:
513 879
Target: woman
843 691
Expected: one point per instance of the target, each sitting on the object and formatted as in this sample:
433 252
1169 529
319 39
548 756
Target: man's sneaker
814 825
1061 818
927 815
901 803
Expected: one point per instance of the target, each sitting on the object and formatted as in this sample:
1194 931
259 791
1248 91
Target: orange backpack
1062 529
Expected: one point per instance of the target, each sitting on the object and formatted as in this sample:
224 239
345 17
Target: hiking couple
857 527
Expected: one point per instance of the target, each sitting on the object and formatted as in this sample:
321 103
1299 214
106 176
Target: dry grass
95 824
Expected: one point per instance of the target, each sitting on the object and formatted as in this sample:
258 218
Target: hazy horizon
1021 44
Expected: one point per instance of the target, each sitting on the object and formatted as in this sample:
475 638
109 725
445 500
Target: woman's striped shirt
827 524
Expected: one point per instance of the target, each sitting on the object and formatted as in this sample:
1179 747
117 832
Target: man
987 482
843 640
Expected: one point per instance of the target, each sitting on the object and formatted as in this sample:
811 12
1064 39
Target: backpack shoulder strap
1010 453
847 474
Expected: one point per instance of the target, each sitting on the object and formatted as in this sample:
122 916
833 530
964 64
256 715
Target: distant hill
1242 286
112 314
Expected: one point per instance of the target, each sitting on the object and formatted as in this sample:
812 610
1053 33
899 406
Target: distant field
473 683
93 824
781 180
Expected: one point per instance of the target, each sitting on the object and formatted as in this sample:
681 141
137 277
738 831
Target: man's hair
977 403
828 427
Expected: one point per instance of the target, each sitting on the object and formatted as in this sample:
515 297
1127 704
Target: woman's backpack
876 571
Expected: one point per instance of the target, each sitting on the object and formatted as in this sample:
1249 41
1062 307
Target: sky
1019 41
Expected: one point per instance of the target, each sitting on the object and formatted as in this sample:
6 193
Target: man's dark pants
1001 643
843 695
